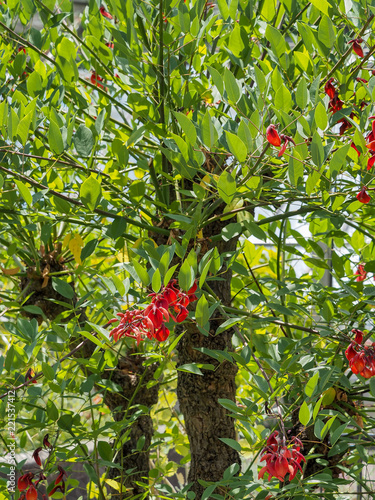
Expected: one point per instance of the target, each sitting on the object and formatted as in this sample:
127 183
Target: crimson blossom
362 196
361 357
281 459
170 303
360 273
275 139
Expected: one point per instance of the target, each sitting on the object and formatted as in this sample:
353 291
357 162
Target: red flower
286 140
361 80
36 456
272 136
61 475
25 481
95 79
60 487
356 46
370 162
330 89
110 45
30 374
335 104
361 357
104 13
280 459
362 196
360 273
162 334
345 125
46 443
151 321
31 493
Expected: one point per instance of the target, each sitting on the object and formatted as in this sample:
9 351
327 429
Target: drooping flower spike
170 303
281 459
361 357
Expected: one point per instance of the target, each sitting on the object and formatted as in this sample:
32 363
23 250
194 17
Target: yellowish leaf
10 272
75 246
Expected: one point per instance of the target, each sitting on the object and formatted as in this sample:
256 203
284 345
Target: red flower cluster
281 460
335 104
357 47
275 139
360 273
149 322
25 482
361 357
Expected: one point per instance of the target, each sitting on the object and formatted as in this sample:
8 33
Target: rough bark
205 419
133 377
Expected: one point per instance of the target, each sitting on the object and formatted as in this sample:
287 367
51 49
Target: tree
179 178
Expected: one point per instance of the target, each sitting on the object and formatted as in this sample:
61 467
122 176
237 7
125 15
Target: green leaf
338 159
226 186
283 99
236 146
224 10
372 387
326 32
317 150
236 43
208 131
34 84
295 171
304 414
25 192
187 126
52 411
90 192
327 427
65 422
276 39
202 314
142 273
83 140
89 248
186 276
311 385
232 443
55 139
23 127
63 288
320 116
321 5
169 274
48 371
255 230
302 95
156 281
231 86
190 368
105 450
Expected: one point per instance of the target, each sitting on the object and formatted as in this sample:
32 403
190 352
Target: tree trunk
205 419
133 462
